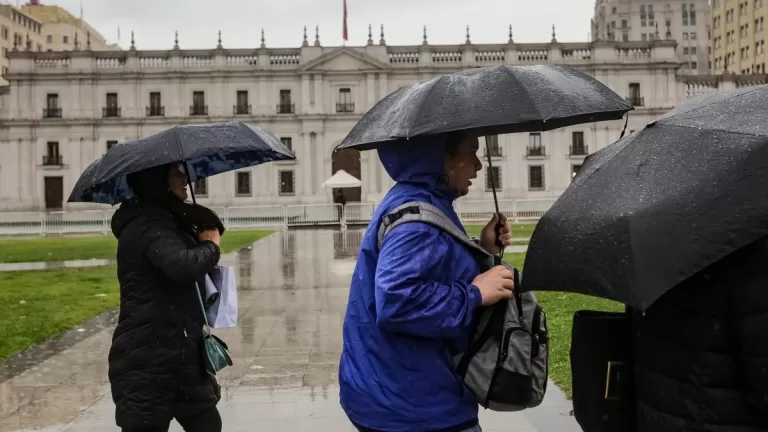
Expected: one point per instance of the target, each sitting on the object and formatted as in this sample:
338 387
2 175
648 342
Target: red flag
346 35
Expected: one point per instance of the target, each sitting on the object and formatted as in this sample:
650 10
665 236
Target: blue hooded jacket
411 306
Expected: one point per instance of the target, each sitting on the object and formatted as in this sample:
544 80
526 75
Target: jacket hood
130 211
418 161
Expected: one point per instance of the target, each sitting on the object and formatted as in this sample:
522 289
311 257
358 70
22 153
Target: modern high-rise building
686 21
738 36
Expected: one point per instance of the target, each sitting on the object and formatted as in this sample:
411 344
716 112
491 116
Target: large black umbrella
660 205
206 149
488 101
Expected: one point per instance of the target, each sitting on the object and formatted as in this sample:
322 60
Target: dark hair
453 140
151 185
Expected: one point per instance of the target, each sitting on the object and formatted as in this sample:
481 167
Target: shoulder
149 224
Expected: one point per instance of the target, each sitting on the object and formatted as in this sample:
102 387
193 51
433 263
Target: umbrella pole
189 182
626 122
495 198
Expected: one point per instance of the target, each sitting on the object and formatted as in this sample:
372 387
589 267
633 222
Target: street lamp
668 21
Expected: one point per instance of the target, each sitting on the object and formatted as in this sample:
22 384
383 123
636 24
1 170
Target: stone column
318 171
26 170
177 106
305 167
383 85
130 108
305 107
370 180
263 96
218 98
319 106
370 98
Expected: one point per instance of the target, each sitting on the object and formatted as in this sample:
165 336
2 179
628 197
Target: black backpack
506 365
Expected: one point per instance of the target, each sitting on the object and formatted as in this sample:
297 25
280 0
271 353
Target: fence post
226 217
514 211
343 218
43 224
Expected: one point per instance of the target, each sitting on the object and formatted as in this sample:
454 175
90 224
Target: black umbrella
660 205
206 149
488 101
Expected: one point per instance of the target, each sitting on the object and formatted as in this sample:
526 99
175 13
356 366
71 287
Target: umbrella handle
499 225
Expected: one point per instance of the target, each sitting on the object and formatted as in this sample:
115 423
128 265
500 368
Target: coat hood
419 162
130 211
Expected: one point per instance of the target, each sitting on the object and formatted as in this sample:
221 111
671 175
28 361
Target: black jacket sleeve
180 263
750 314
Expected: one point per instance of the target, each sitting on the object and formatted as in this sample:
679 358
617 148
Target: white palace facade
62 110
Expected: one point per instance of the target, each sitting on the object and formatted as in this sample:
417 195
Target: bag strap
202 307
418 211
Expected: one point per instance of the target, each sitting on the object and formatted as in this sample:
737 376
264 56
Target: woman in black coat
156 365
701 351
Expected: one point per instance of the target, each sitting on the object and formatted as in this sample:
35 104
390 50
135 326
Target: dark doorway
349 161
54 193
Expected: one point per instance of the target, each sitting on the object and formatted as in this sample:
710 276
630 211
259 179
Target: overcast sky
241 21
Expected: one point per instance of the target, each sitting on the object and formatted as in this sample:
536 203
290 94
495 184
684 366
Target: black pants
209 421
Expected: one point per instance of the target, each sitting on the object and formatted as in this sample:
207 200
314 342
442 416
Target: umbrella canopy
660 205
342 179
207 150
487 101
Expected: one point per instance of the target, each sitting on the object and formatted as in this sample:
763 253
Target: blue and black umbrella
206 150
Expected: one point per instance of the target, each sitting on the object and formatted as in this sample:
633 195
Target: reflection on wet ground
293 290
42 265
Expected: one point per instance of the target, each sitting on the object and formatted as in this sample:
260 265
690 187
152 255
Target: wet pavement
293 291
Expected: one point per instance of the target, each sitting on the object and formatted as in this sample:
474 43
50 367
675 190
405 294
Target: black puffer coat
155 363
701 351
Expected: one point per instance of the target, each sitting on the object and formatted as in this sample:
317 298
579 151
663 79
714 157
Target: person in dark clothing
701 357
165 246
338 198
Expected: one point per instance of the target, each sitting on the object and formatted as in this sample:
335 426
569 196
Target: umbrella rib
424 102
531 101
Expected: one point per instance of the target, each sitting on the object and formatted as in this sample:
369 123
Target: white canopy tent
342 179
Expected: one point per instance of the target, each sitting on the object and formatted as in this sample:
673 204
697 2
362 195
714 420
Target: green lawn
38 305
98 247
560 308
521 232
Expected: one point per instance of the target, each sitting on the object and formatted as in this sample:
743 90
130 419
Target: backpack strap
418 211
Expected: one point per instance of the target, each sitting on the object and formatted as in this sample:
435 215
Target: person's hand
495 285
211 235
495 232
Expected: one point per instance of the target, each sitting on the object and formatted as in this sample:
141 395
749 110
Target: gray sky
240 21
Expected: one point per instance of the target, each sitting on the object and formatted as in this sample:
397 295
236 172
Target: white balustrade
263 216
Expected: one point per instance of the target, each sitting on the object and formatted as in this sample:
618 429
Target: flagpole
345 35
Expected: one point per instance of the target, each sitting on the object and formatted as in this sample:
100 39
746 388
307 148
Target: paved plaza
292 291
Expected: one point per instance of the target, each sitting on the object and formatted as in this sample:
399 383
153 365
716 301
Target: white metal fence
264 216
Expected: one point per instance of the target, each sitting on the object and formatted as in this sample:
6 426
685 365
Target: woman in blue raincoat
412 303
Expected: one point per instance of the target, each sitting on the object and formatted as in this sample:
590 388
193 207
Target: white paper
223 313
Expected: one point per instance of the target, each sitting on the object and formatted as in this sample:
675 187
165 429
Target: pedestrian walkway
293 292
